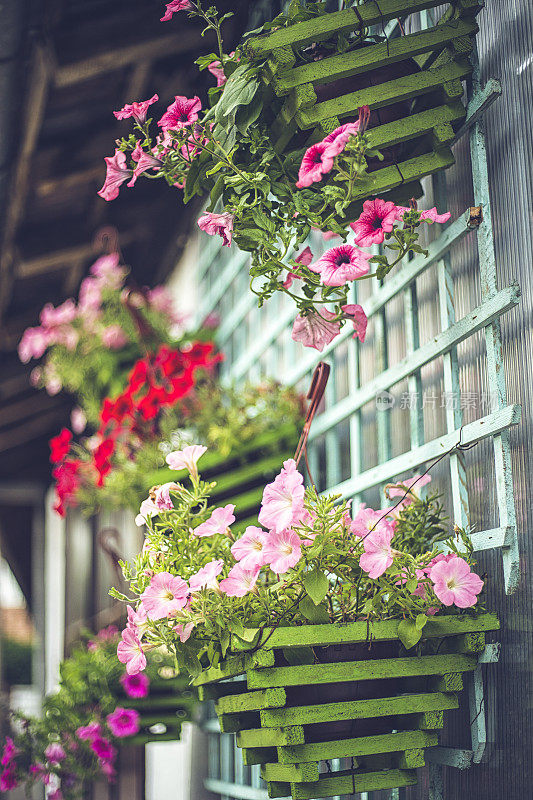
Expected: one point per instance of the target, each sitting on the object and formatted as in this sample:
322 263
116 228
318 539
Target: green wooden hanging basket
241 476
387 709
171 702
411 83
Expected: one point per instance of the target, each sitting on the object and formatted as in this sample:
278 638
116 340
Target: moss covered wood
288 735
170 703
437 58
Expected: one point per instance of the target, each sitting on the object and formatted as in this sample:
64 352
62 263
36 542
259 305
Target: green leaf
420 621
408 633
248 114
296 656
316 585
314 613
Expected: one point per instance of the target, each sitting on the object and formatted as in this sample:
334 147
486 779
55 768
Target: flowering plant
202 592
265 202
82 723
156 382
219 416
90 344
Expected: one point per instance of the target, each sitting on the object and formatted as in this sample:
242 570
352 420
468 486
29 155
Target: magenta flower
145 161
186 458
114 338
136 686
317 161
431 215
137 110
283 499
249 550
166 594
338 139
108 770
8 780
305 258
377 219
184 631
218 224
55 753
316 329
123 722
359 319
206 577
117 173
89 732
182 112
378 552
341 264
130 652
218 522
103 749
240 581
173 7
454 583
283 551
9 752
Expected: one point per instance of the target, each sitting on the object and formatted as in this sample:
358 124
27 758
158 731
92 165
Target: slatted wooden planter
170 703
412 84
389 704
241 477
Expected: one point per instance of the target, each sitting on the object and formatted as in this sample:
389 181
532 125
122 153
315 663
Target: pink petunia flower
283 550
431 215
317 161
338 139
218 224
64 314
137 619
114 338
135 686
283 499
240 581
182 112
162 497
137 110
341 264
305 258
454 583
377 219
186 458
327 235
365 520
33 344
316 329
8 780
89 732
173 7
130 652
78 420
378 552
148 509
401 487
123 722
249 550
359 319
117 173
145 161
55 753
108 770
206 577
184 631
166 594
218 522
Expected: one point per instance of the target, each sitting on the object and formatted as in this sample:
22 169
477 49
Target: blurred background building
64 66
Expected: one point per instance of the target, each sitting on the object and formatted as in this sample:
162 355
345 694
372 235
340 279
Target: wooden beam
28 407
117 58
40 78
27 431
51 186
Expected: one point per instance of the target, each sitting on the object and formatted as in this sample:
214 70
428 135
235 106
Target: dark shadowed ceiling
65 65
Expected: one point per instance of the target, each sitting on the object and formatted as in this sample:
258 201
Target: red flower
60 445
67 481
